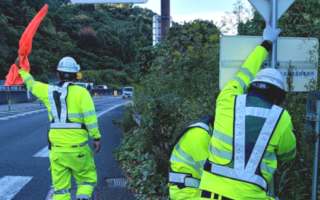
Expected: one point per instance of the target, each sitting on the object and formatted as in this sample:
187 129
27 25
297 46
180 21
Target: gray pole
273 63
165 17
316 156
274 25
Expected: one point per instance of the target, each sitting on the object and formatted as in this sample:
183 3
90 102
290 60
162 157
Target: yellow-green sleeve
89 114
249 70
286 148
198 146
38 89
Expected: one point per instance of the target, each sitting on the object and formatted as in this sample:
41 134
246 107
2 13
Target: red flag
25 46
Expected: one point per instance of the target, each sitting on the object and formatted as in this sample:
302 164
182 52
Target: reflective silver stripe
92 126
222 137
267 169
220 152
263 139
89 113
175 158
83 196
257 112
269 156
247 174
240 135
201 125
27 79
64 191
87 183
53 107
177 177
65 125
75 115
242 83
247 72
31 86
238 175
201 163
64 93
192 182
290 153
182 178
183 154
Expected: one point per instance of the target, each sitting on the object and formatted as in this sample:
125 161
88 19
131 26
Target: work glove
269 34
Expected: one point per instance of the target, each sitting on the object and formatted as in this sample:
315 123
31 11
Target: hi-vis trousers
77 161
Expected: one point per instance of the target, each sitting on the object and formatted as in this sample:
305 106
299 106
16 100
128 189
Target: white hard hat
69 65
271 76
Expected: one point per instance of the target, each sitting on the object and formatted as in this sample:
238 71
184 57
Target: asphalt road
24 158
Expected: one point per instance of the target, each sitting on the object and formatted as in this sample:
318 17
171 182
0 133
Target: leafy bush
178 86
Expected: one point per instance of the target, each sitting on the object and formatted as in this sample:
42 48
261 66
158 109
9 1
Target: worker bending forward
251 132
72 115
187 159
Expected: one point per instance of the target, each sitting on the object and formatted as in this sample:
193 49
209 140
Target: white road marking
11 185
45 151
21 114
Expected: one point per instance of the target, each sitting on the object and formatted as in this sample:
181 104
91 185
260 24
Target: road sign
79 75
157 28
234 50
263 7
108 1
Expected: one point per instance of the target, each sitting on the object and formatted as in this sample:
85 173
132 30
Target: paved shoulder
107 166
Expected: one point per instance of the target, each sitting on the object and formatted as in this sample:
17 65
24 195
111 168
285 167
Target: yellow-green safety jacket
250 134
187 160
70 124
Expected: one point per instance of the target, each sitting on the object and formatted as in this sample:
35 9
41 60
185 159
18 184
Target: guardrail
16 96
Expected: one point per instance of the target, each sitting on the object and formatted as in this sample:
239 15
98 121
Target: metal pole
9 106
274 25
316 157
273 63
165 17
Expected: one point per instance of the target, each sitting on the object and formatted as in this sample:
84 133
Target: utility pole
165 17
274 25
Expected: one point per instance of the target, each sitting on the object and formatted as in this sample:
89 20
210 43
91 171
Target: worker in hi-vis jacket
72 116
251 132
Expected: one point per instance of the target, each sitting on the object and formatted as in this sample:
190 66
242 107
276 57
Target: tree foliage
178 81
98 37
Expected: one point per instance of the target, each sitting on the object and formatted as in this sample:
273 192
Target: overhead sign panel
236 49
263 7
108 1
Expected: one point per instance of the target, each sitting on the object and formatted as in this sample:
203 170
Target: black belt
74 146
206 194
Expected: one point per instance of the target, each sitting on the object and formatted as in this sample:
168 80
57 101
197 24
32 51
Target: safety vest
183 178
60 119
241 171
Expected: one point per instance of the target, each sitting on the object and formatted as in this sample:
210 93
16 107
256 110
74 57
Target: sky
188 10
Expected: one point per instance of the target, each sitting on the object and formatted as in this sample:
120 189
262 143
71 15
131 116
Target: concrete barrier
107 92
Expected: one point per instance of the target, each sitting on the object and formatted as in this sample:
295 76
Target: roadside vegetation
178 85
99 37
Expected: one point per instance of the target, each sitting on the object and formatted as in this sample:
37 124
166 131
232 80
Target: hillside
99 37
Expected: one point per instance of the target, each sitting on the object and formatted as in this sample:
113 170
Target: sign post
274 25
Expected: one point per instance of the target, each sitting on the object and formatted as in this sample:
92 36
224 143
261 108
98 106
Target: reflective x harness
242 172
62 121
182 178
